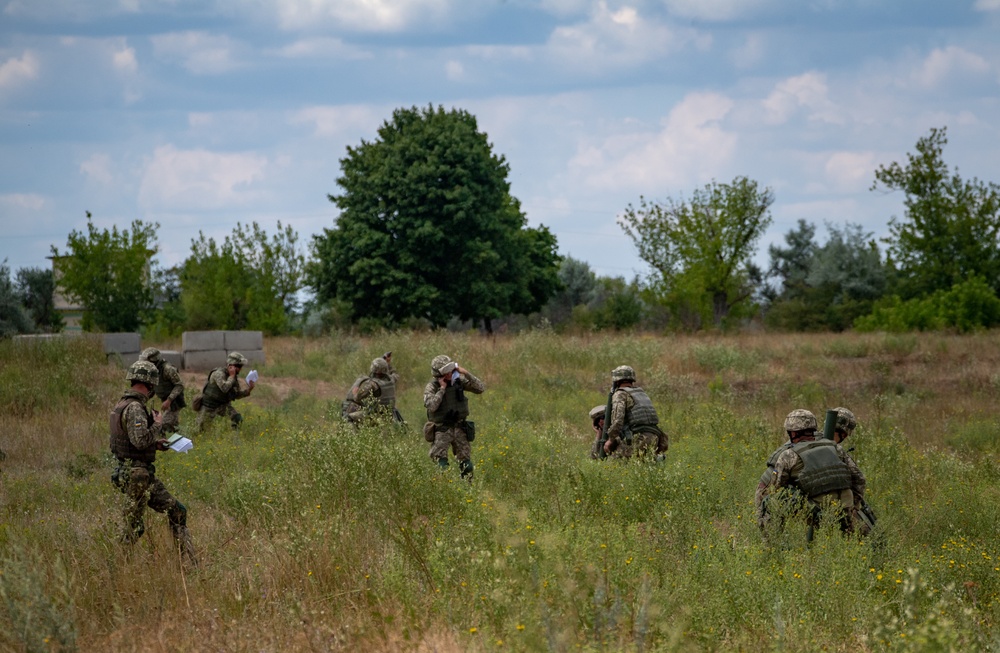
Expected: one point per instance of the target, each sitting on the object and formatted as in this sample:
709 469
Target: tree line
429 235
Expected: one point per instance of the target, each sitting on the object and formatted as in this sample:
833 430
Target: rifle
604 429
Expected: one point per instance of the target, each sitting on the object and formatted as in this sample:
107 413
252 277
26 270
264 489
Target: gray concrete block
255 356
203 341
175 358
34 338
122 342
240 340
204 360
123 358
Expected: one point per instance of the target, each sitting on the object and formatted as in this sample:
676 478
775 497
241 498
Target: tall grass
313 536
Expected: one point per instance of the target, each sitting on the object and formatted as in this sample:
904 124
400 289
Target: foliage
701 249
36 286
14 318
577 286
108 273
824 287
428 228
967 306
250 281
39 619
951 229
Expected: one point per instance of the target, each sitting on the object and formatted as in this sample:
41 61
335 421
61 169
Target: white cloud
361 15
987 5
851 171
98 168
322 48
944 64
714 9
18 69
454 70
339 121
201 52
807 91
617 38
750 53
124 59
691 148
23 201
199 179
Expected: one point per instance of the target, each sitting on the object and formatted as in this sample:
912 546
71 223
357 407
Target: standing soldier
633 426
135 439
221 390
170 389
817 469
373 395
447 412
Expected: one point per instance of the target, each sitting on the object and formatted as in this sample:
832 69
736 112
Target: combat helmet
379 367
442 365
800 419
151 354
142 372
622 373
236 358
596 412
846 421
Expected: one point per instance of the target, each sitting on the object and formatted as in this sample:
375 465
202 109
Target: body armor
823 470
642 413
454 407
121 446
213 396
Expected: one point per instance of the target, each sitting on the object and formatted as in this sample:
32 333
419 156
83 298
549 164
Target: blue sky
200 114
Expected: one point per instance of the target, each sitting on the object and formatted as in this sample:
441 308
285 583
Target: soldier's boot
443 462
466 468
185 545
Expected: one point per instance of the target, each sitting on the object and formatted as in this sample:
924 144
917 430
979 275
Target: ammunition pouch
196 403
429 431
470 430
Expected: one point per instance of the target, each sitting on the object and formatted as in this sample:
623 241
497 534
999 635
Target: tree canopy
701 248
428 228
108 272
951 229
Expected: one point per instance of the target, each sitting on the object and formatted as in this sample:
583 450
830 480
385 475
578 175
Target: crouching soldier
135 439
170 389
221 390
373 396
634 425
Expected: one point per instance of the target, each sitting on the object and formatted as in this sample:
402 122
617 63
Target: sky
199 114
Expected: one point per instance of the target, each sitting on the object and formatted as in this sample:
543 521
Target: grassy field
314 537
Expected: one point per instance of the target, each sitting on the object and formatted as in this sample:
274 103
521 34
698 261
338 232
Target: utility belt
211 404
118 478
466 425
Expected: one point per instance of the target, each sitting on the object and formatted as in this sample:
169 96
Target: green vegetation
316 537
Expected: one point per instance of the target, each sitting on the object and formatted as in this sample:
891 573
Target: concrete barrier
122 343
175 358
244 340
203 341
255 356
204 360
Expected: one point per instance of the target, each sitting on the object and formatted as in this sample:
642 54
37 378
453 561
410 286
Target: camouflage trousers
141 488
644 444
171 419
206 415
452 437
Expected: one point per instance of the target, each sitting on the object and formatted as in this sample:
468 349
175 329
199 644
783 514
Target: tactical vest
642 413
452 409
352 394
121 446
823 470
213 396
163 389
387 391
772 461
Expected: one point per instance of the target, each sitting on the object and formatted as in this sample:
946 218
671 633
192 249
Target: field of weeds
316 537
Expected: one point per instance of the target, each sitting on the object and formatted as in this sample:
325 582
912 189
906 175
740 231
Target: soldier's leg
136 482
235 419
204 417
171 420
463 453
439 450
161 500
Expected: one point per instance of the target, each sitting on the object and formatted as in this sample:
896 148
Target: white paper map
252 376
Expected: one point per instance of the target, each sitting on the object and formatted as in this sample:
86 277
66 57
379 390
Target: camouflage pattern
219 393
596 415
372 396
846 421
151 354
236 358
622 373
170 388
646 437
142 372
800 420
596 412
137 478
438 364
451 436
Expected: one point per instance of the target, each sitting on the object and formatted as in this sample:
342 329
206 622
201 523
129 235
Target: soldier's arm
135 420
174 377
619 404
783 468
224 381
858 481
473 383
433 395
393 374
367 390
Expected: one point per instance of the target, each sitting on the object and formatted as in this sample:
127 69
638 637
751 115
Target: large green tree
951 228
14 319
108 272
428 228
701 248
249 281
36 286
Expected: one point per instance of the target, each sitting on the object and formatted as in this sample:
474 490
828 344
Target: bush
968 306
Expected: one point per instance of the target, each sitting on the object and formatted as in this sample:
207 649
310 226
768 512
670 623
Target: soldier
374 395
221 390
447 412
865 516
170 389
634 424
135 439
597 422
819 471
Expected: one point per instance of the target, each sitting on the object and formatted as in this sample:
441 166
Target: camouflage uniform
596 417
219 393
633 428
170 387
373 395
134 442
447 413
819 470
846 423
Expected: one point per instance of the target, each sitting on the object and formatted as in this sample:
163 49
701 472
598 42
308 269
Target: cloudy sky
198 114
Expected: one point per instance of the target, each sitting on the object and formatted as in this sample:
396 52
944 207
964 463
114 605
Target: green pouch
470 430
